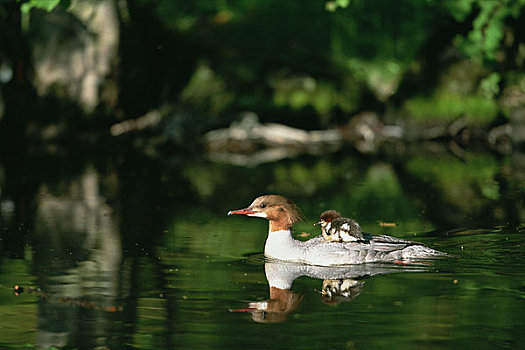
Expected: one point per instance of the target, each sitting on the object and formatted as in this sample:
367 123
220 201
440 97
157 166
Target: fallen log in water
248 142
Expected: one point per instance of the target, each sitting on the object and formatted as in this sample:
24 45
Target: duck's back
375 248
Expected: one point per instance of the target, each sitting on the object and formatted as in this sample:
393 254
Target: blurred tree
315 64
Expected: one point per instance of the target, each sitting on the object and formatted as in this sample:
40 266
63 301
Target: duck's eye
262 206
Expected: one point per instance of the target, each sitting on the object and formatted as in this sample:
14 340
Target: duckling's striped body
339 229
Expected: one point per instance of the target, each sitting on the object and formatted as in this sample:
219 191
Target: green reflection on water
476 174
184 263
18 317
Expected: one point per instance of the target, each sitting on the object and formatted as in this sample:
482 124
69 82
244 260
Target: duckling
336 228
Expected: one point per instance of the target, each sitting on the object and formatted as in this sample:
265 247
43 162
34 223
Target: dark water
137 252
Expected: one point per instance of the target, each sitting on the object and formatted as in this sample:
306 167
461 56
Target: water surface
137 252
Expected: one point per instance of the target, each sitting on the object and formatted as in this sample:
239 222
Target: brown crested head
278 208
281 211
329 215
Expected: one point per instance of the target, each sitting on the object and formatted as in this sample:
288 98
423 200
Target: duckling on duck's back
282 213
336 228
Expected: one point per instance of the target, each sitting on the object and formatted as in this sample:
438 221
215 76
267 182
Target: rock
366 131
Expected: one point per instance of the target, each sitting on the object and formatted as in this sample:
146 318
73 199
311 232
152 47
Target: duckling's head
327 217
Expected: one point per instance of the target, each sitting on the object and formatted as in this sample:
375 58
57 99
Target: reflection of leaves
466 185
224 236
203 180
368 194
380 197
16 313
306 178
453 171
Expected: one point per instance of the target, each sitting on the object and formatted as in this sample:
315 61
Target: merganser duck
336 228
282 214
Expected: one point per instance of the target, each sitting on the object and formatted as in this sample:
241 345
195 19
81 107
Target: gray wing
370 238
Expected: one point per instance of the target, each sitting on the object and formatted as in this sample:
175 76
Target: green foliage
489 87
382 76
299 55
447 106
206 91
47 5
322 57
488 27
459 9
335 4
379 49
300 92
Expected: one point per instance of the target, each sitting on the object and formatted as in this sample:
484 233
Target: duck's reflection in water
337 291
340 284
